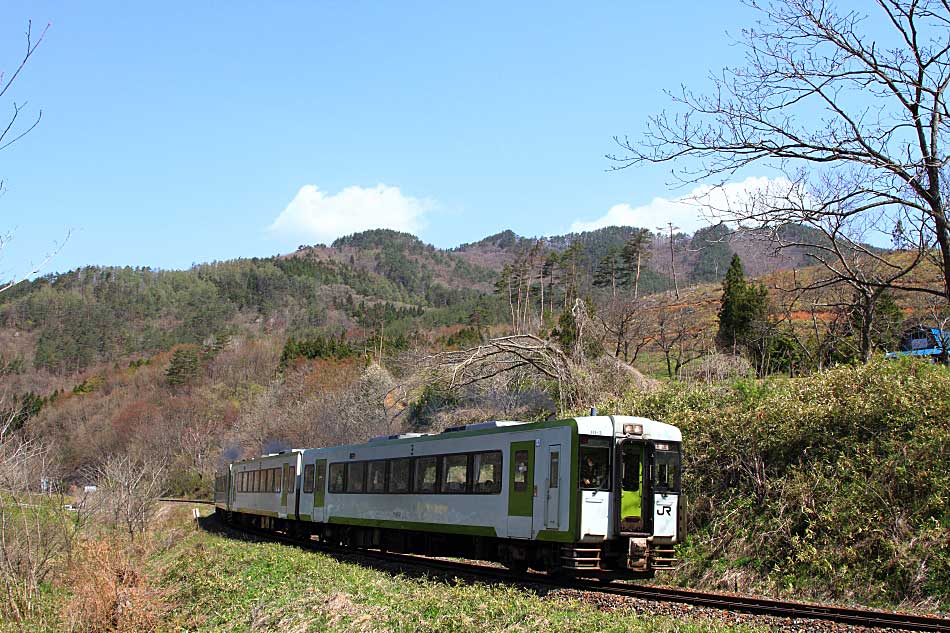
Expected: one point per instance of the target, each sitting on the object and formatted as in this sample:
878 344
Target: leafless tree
13 131
35 527
854 113
128 490
679 337
507 355
626 324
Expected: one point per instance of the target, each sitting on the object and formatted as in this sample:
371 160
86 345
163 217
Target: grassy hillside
187 579
835 484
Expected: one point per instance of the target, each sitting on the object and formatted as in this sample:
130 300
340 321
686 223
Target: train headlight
633 429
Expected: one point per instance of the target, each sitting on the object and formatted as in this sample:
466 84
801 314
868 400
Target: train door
320 491
552 509
521 490
288 490
631 486
284 487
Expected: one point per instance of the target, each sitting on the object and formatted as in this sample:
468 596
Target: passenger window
257 481
426 474
555 471
355 476
269 483
521 471
376 477
487 469
399 470
337 478
291 484
454 473
275 480
308 472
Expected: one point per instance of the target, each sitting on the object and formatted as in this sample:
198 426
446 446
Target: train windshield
595 463
666 471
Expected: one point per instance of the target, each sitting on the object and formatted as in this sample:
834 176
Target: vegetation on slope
224 584
835 484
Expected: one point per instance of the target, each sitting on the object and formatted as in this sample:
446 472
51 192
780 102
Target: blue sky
181 133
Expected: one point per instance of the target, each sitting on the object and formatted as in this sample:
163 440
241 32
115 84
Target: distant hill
358 284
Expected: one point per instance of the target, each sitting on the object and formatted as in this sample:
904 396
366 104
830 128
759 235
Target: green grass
223 585
833 486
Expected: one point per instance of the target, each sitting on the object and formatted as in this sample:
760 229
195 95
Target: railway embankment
832 486
218 580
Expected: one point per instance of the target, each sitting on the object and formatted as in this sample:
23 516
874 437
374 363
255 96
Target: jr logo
667 510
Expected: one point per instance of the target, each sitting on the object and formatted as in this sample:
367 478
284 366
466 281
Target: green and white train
592 496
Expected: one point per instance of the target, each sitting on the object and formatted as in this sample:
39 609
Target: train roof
269 456
607 425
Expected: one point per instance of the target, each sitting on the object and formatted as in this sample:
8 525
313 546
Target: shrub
835 483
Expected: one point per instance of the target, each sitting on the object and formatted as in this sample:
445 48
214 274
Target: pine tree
608 272
634 252
184 366
744 305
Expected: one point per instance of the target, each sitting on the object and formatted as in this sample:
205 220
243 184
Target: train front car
630 508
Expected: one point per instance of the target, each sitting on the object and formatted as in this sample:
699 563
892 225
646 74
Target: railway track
869 618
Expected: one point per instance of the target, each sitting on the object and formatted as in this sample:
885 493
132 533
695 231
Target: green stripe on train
468 530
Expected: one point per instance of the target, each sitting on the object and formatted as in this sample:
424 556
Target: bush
834 484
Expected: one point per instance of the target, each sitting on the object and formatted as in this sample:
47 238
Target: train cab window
308 472
337 478
356 477
290 485
454 473
630 476
376 477
487 470
666 471
521 471
399 470
595 463
426 475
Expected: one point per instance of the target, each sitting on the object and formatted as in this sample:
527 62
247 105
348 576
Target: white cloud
314 216
701 207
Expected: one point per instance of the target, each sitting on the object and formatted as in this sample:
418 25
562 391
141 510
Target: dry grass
110 591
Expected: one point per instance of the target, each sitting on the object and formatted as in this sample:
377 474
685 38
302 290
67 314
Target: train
591 496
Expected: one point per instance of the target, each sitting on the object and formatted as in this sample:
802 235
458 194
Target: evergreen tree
566 331
634 253
744 305
713 253
184 366
608 272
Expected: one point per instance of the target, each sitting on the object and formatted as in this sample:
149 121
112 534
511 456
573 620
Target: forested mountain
378 279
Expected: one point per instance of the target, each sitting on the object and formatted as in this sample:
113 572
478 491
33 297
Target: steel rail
870 618
198 501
